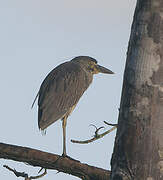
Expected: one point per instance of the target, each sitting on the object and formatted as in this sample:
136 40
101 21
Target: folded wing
60 91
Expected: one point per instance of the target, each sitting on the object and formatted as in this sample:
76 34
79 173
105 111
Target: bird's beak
102 69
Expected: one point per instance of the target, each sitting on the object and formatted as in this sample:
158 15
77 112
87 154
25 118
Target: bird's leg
64 122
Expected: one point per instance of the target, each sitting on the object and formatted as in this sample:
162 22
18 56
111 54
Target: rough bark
51 161
138 150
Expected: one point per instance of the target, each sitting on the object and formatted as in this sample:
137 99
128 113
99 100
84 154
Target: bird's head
90 64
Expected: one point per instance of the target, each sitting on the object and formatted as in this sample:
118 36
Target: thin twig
25 175
97 136
109 124
97 129
39 176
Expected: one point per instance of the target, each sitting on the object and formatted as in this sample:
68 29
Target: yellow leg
64 122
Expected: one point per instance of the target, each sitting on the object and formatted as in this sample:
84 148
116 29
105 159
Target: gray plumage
60 91
62 88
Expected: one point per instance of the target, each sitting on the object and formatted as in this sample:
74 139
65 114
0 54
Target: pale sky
35 37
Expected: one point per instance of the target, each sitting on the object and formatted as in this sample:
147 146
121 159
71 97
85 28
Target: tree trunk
138 150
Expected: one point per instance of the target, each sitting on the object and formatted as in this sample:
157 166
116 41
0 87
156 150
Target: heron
62 88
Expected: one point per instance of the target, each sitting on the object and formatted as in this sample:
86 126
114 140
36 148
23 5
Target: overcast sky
35 37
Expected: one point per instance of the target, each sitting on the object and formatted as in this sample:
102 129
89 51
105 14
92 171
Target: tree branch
52 161
96 136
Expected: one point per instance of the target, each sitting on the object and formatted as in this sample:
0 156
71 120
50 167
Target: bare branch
25 175
52 161
17 174
97 136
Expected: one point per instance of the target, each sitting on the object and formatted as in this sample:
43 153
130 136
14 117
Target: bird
62 88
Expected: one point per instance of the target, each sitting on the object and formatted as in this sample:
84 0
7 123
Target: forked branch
97 135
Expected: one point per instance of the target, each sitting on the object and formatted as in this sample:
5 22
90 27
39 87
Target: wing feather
60 91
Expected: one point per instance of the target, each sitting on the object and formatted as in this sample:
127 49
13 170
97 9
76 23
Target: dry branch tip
25 175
